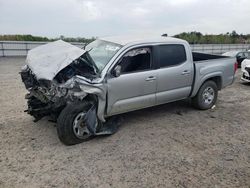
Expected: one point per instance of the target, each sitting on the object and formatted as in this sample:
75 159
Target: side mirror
117 71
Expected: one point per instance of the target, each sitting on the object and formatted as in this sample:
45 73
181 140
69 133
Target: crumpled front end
50 97
44 98
47 68
60 74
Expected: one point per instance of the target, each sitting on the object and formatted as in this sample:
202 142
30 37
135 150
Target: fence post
2 48
26 47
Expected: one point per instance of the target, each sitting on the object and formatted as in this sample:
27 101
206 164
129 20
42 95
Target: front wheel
71 126
206 96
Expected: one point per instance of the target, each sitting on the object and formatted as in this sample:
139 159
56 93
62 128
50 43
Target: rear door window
171 55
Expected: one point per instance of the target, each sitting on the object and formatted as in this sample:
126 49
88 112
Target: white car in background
245 68
239 55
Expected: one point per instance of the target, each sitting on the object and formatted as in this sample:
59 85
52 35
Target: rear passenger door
175 73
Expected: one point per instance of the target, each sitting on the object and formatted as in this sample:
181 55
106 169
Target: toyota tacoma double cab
82 89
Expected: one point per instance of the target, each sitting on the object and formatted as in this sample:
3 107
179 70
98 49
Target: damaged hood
48 60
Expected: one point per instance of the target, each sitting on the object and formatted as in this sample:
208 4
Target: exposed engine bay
44 97
78 67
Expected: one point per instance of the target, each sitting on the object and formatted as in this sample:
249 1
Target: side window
171 54
246 54
136 60
240 55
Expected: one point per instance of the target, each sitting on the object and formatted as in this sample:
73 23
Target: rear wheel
71 126
206 96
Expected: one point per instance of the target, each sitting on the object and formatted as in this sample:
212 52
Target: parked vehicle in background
245 68
240 55
81 89
230 53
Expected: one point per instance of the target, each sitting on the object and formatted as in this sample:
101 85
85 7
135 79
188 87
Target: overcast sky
86 18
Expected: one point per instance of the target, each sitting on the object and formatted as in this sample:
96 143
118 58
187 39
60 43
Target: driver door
135 88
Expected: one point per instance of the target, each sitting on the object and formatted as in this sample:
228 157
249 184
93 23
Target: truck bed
197 57
207 65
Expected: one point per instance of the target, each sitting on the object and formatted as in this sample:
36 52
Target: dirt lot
171 145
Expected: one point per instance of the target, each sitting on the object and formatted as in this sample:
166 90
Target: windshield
101 52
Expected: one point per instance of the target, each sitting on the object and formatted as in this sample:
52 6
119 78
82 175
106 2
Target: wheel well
217 80
91 97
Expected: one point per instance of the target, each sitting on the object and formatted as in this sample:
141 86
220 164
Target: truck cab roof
139 39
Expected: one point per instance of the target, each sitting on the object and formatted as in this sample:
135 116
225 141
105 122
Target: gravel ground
170 145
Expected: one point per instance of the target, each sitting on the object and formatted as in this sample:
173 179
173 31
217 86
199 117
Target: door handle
150 78
185 72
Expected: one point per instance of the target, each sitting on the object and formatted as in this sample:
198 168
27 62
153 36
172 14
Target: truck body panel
152 86
222 69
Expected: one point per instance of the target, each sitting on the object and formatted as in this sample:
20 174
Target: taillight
235 67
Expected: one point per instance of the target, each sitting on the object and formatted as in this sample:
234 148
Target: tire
203 99
66 129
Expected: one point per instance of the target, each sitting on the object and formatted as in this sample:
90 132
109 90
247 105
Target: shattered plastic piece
111 126
96 127
91 120
213 107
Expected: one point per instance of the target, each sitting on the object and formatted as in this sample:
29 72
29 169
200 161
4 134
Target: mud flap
96 127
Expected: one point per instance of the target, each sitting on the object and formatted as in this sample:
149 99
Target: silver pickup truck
82 89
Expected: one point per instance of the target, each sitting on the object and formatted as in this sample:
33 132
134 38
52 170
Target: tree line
192 37
39 38
228 38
